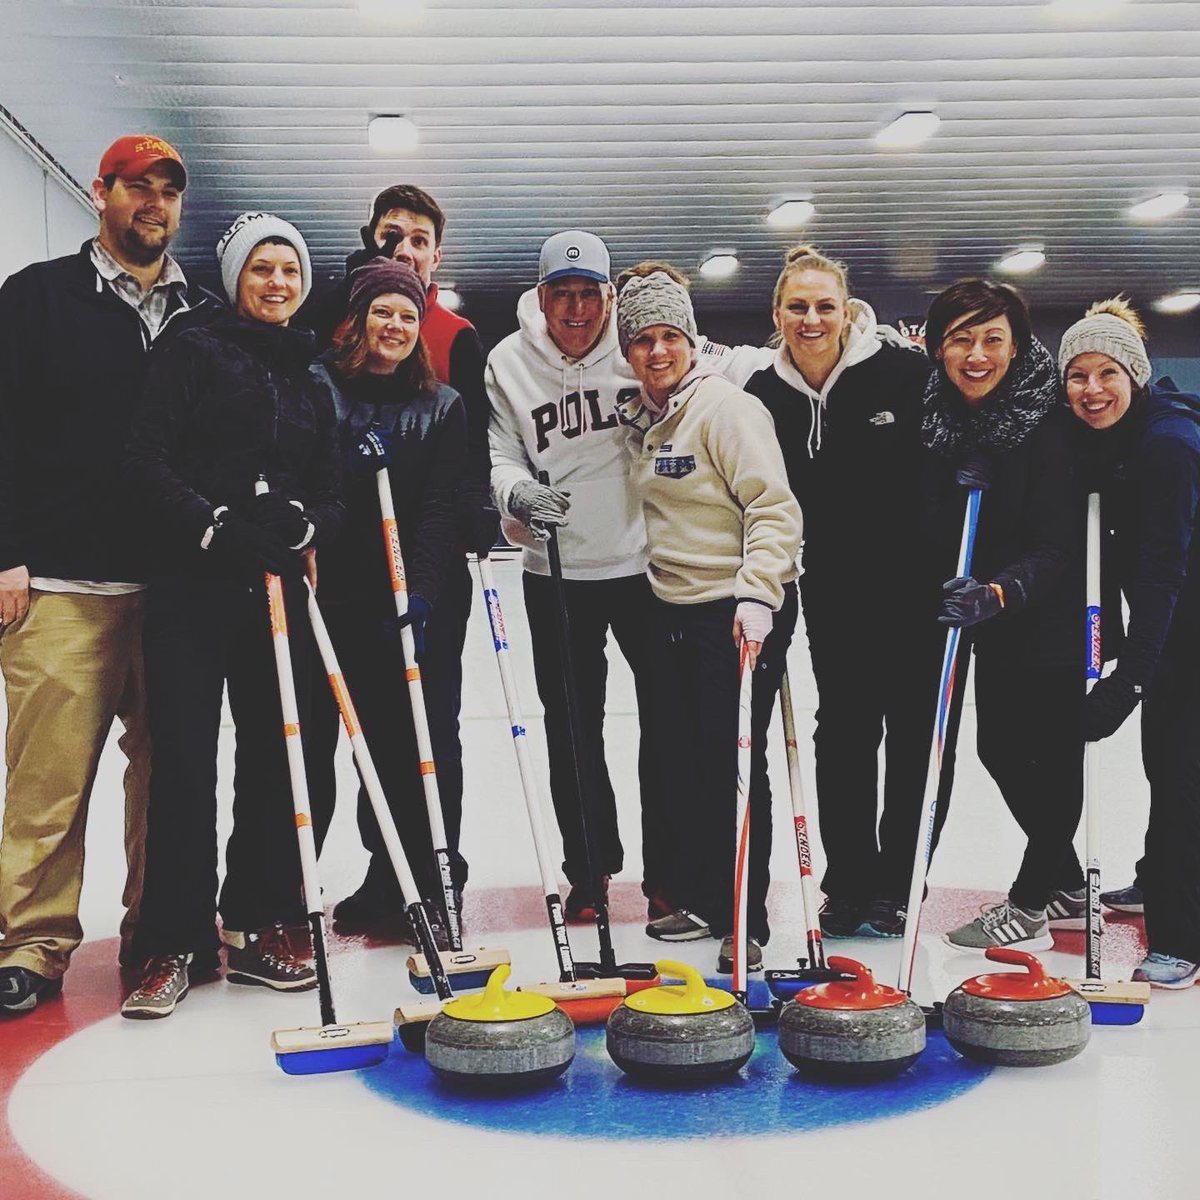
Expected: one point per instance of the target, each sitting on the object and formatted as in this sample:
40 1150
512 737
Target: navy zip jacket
1147 467
222 406
73 357
429 458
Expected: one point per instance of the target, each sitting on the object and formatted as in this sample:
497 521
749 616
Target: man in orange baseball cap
74 337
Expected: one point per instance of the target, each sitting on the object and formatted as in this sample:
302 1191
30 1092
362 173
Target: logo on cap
572 253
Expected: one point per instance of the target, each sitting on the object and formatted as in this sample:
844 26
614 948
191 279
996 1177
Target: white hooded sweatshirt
557 414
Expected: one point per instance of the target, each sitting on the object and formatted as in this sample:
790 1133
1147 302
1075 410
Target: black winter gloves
1107 705
254 549
284 518
975 471
374 450
477 518
967 602
417 616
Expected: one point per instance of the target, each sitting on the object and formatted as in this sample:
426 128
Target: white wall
39 218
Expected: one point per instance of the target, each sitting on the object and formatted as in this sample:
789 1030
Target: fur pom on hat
1110 327
654 299
239 240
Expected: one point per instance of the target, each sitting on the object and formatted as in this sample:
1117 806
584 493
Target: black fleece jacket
73 356
1030 541
858 482
223 405
429 449
1147 468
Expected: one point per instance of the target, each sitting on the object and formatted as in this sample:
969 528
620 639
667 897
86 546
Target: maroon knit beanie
382 277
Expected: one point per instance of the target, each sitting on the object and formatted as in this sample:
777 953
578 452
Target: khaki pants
70 666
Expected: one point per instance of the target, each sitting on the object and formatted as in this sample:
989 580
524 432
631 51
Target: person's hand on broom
752 620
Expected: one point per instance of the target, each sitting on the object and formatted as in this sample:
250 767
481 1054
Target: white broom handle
808 887
362 755
412 672
1091 750
741 863
512 700
933 774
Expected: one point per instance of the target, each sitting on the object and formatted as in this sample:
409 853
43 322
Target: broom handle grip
416 696
808 892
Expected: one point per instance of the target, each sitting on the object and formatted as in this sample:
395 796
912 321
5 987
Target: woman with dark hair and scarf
994 418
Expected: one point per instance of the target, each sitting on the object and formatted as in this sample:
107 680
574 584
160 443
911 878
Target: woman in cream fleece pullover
723 532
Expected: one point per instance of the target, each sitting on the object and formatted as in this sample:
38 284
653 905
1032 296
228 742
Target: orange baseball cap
132 155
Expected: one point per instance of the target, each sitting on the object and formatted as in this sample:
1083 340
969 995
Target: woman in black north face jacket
994 417
391 412
224 407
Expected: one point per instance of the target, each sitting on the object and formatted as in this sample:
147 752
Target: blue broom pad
332 1058
1104 1013
460 981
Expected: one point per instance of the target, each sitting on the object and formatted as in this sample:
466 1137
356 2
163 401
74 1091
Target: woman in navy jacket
1141 447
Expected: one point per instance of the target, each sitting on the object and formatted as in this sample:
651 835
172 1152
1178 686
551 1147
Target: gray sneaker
1068 910
679 926
267 958
163 985
1003 924
725 956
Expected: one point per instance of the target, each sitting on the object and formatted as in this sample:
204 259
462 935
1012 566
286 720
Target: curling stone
1017 1018
497 1040
851 1029
685 1032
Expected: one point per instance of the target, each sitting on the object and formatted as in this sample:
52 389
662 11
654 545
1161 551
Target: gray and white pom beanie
244 234
1108 334
653 300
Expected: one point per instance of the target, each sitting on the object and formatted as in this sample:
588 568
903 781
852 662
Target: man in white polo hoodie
554 387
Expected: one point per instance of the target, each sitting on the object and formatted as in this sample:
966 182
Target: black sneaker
842 918
580 904
372 904
1125 900
22 990
885 919
268 958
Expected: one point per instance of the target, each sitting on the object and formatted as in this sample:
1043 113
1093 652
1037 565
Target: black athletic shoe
842 918
372 904
580 905
885 919
22 990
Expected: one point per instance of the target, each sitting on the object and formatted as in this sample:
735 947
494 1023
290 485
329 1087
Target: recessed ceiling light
1022 262
1165 204
908 129
1177 302
719 266
392 135
791 214
449 298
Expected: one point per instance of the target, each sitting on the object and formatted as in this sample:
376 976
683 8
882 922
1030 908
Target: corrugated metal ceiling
670 127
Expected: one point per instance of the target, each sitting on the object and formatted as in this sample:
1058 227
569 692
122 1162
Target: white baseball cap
573 252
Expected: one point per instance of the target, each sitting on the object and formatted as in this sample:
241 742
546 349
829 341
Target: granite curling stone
498 1040
851 1029
682 1033
1017 1018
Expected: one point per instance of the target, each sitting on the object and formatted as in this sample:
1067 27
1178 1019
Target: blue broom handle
923 850
1091 751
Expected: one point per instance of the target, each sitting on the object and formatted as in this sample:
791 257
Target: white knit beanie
654 299
1106 333
239 240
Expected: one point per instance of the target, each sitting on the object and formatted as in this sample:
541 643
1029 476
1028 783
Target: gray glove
535 505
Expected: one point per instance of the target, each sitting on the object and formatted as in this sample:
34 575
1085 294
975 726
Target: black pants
1169 873
703 743
372 660
626 606
871 679
1031 743
198 637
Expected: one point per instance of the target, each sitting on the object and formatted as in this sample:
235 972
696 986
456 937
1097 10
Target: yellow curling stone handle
672 999
495 1004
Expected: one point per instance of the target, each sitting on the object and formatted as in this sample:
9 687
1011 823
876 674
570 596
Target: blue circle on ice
595 1099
